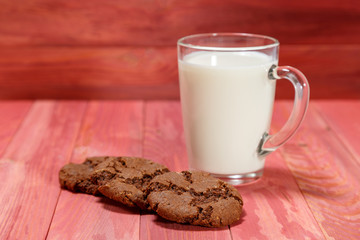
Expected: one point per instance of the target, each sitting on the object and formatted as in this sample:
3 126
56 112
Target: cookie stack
187 197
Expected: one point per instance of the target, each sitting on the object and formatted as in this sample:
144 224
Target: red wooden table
310 188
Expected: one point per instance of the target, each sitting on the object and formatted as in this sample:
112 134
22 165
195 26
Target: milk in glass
227 100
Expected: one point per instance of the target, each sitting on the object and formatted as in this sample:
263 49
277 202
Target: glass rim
274 43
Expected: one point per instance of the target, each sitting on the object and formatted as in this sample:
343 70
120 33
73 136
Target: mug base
239 179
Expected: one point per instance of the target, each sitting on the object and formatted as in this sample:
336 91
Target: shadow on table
113 206
116 207
275 178
186 227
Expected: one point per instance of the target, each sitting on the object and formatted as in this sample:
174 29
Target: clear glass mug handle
270 143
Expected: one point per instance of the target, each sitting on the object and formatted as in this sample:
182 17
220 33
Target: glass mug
227 89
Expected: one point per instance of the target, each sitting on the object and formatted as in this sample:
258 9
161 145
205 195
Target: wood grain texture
326 172
342 117
274 207
108 128
29 168
164 143
158 23
332 70
12 114
164 139
121 50
151 73
87 73
310 188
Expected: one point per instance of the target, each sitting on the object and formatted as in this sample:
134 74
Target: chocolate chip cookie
125 179
195 198
76 177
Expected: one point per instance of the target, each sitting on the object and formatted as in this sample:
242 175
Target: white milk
227 102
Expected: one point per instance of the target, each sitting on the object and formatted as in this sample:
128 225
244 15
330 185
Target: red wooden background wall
118 49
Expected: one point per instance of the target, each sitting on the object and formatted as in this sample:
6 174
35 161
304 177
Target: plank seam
143 124
70 157
231 235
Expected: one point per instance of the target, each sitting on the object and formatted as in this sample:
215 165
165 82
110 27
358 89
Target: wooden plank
164 138
108 128
12 114
86 73
151 73
164 143
326 172
332 71
29 168
343 117
157 23
274 207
